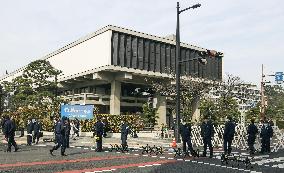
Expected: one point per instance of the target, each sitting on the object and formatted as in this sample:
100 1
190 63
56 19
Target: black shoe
211 156
16 149
63 154
51 152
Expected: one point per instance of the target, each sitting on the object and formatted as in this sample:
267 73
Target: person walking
99 128
124 132
207 132
30 127
9 132
37 130
228 135
265 135
77 125
252 132
185 131
60 135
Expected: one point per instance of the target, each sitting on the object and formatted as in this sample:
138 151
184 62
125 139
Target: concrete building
107 67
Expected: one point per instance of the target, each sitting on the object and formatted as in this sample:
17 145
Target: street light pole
177 136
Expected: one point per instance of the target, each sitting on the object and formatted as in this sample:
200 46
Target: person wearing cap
207 132
185 131
252 132
61 130
228 135
265 134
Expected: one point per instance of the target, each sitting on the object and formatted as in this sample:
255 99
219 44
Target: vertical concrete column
195 110
161 110
115 97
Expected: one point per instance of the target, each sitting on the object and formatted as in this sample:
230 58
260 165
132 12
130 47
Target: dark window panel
140 53
182 58
168 57
122 50
115 49
163 58
187 53
173 58
134 53
219 68
147 55
152 56
128 51
191 63
158 57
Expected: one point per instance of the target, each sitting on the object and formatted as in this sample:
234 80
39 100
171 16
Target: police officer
30 127
252 132
9 132
228 136
124 132
99 128
265 134
37 130
207 132
185 131
60 135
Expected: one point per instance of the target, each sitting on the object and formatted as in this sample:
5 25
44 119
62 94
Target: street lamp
177 136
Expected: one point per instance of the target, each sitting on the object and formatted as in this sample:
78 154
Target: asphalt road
84 159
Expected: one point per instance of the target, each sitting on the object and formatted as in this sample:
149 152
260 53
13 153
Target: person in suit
37 130
60 135
30 127
265 134
185 131
99 128
252 132
228 135
207 132
9 132
124 132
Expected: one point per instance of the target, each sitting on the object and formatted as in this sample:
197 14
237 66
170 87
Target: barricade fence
240 137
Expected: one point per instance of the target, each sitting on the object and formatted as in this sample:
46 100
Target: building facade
107 67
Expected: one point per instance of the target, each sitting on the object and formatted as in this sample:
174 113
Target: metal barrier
240 138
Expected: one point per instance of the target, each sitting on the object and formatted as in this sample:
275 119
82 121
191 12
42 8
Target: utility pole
177 136
262 94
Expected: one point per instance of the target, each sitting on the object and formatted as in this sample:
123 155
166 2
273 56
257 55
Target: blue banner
77 111
279 76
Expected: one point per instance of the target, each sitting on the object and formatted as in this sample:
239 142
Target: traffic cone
174 143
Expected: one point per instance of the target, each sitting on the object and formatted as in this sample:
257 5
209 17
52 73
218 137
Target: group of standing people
207 134
100 128
34 131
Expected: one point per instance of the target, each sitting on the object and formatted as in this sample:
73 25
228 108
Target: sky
248 32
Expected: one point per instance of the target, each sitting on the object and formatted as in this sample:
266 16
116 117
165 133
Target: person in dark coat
68 133
265 134
228 135
9 132
77 125
30 127
60 135
207 132
37 129
252 132
185 131
124 132
99 128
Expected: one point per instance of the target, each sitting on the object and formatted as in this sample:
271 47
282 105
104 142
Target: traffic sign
279 76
